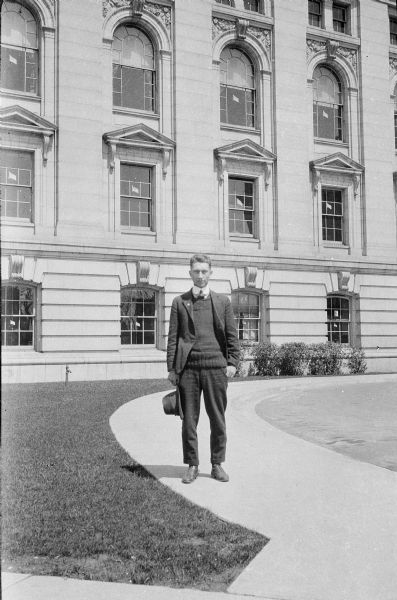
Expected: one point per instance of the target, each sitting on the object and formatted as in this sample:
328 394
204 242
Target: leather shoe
219 474
191 474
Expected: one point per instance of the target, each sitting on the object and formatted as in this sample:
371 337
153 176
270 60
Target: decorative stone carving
263 35
16 266
350 55
268 172
356 185
142 271
250 274
241 28
313 47
393 65
333 50
138 7
162 13
316 177
220 26
166 155
343 281
221 169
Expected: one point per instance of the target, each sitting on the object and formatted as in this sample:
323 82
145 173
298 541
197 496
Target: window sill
243 238
135 112
223 9
330 142
137 231
334 245
326 34
16 222
239 128
20 94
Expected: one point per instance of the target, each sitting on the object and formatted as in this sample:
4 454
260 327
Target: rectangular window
241 207
16 184
393 32
315 13
19 69
333 218
17 315
237 106
138 316
133 88
340 17
252 5
226 2
247 314
328 121
136 196
339 319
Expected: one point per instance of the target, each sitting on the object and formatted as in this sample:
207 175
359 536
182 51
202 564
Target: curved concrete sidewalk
331 520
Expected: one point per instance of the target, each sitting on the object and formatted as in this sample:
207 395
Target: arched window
237 88
246 309
134 77
138 316
19 49
327 104
339 319
18 315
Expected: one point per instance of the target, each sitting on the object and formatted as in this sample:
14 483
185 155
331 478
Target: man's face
200 274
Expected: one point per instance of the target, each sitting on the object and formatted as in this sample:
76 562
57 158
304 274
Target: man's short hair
200 258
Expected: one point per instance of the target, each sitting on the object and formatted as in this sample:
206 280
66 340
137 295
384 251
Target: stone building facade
135 133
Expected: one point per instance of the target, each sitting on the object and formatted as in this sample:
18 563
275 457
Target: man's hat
172 404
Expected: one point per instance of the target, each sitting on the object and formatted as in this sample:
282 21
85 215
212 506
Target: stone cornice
175 257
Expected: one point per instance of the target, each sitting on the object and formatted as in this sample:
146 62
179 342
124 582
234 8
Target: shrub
325 359
294 358
244 366
266 360
356 360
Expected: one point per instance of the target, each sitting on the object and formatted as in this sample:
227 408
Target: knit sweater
206 352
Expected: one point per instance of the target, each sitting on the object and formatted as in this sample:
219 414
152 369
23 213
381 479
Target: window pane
140 302
17 328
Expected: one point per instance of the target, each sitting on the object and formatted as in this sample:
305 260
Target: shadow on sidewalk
159 471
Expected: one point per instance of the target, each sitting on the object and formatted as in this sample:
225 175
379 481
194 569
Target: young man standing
202 353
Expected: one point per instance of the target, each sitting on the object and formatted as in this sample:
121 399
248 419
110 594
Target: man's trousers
213 384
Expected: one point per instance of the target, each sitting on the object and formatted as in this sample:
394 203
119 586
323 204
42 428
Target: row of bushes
298 358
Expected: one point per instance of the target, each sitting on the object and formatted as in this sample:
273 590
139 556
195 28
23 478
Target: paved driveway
357 417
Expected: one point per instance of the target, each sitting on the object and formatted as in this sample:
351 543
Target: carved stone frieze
242 29
393 65
350 55
162 13
263 35
333 50
313 47
220 26
138 7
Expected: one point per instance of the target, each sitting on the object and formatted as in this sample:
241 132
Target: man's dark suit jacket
181 335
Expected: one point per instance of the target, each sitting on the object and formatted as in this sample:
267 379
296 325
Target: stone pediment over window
337 162
244 150
335 165
142 137
18 119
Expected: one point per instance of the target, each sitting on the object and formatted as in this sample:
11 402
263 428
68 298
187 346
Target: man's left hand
230 371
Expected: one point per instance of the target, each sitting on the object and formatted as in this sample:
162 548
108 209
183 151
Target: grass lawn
76 505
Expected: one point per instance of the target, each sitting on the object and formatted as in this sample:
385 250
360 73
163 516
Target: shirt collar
196 291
